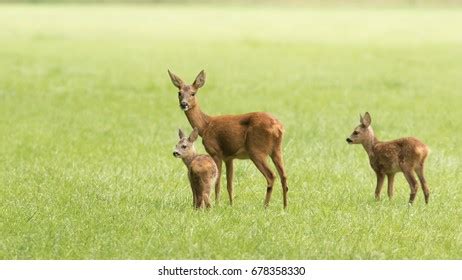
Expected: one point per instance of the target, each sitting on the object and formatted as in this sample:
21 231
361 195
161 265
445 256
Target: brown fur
405 155
253 136
202 170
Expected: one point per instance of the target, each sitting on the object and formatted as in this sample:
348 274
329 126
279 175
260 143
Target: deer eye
184 146
192 94
179 94
355 133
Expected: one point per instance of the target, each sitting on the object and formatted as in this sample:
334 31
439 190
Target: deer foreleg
378 188
229 179
218 162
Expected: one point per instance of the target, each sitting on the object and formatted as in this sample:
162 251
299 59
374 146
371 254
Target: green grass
89 118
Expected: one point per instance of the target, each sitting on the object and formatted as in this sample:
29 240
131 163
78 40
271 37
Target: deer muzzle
184 106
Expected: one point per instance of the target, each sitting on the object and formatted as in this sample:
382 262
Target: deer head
363 132
187 93
185 147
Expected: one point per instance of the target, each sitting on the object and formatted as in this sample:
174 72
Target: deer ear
180 134
367 119
200 80
193 135
176 80
361 119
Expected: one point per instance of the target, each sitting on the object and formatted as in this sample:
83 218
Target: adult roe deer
202 170
253 136
405 155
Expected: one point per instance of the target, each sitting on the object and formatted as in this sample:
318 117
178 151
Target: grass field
89 118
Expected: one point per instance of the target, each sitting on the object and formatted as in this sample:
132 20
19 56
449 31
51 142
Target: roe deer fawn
202 170
405 155
253 135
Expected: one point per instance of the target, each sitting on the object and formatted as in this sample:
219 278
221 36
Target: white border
315 270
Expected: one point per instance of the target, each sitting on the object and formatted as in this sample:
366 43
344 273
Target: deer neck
197 118
369 145
188 159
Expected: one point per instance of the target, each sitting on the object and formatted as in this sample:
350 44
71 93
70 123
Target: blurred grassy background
370 3
88 120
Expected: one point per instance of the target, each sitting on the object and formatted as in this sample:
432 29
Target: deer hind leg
229 179
391 180
199 201
262 165
279 163
420 173
378 188
206 198
412 184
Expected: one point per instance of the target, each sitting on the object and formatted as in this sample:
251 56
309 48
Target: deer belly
385 166
239 154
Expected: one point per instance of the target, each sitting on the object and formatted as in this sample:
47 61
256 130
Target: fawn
252 135
202 170
405 155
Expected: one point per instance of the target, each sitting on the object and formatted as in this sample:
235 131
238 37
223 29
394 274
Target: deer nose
175 154
349 140
183 104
